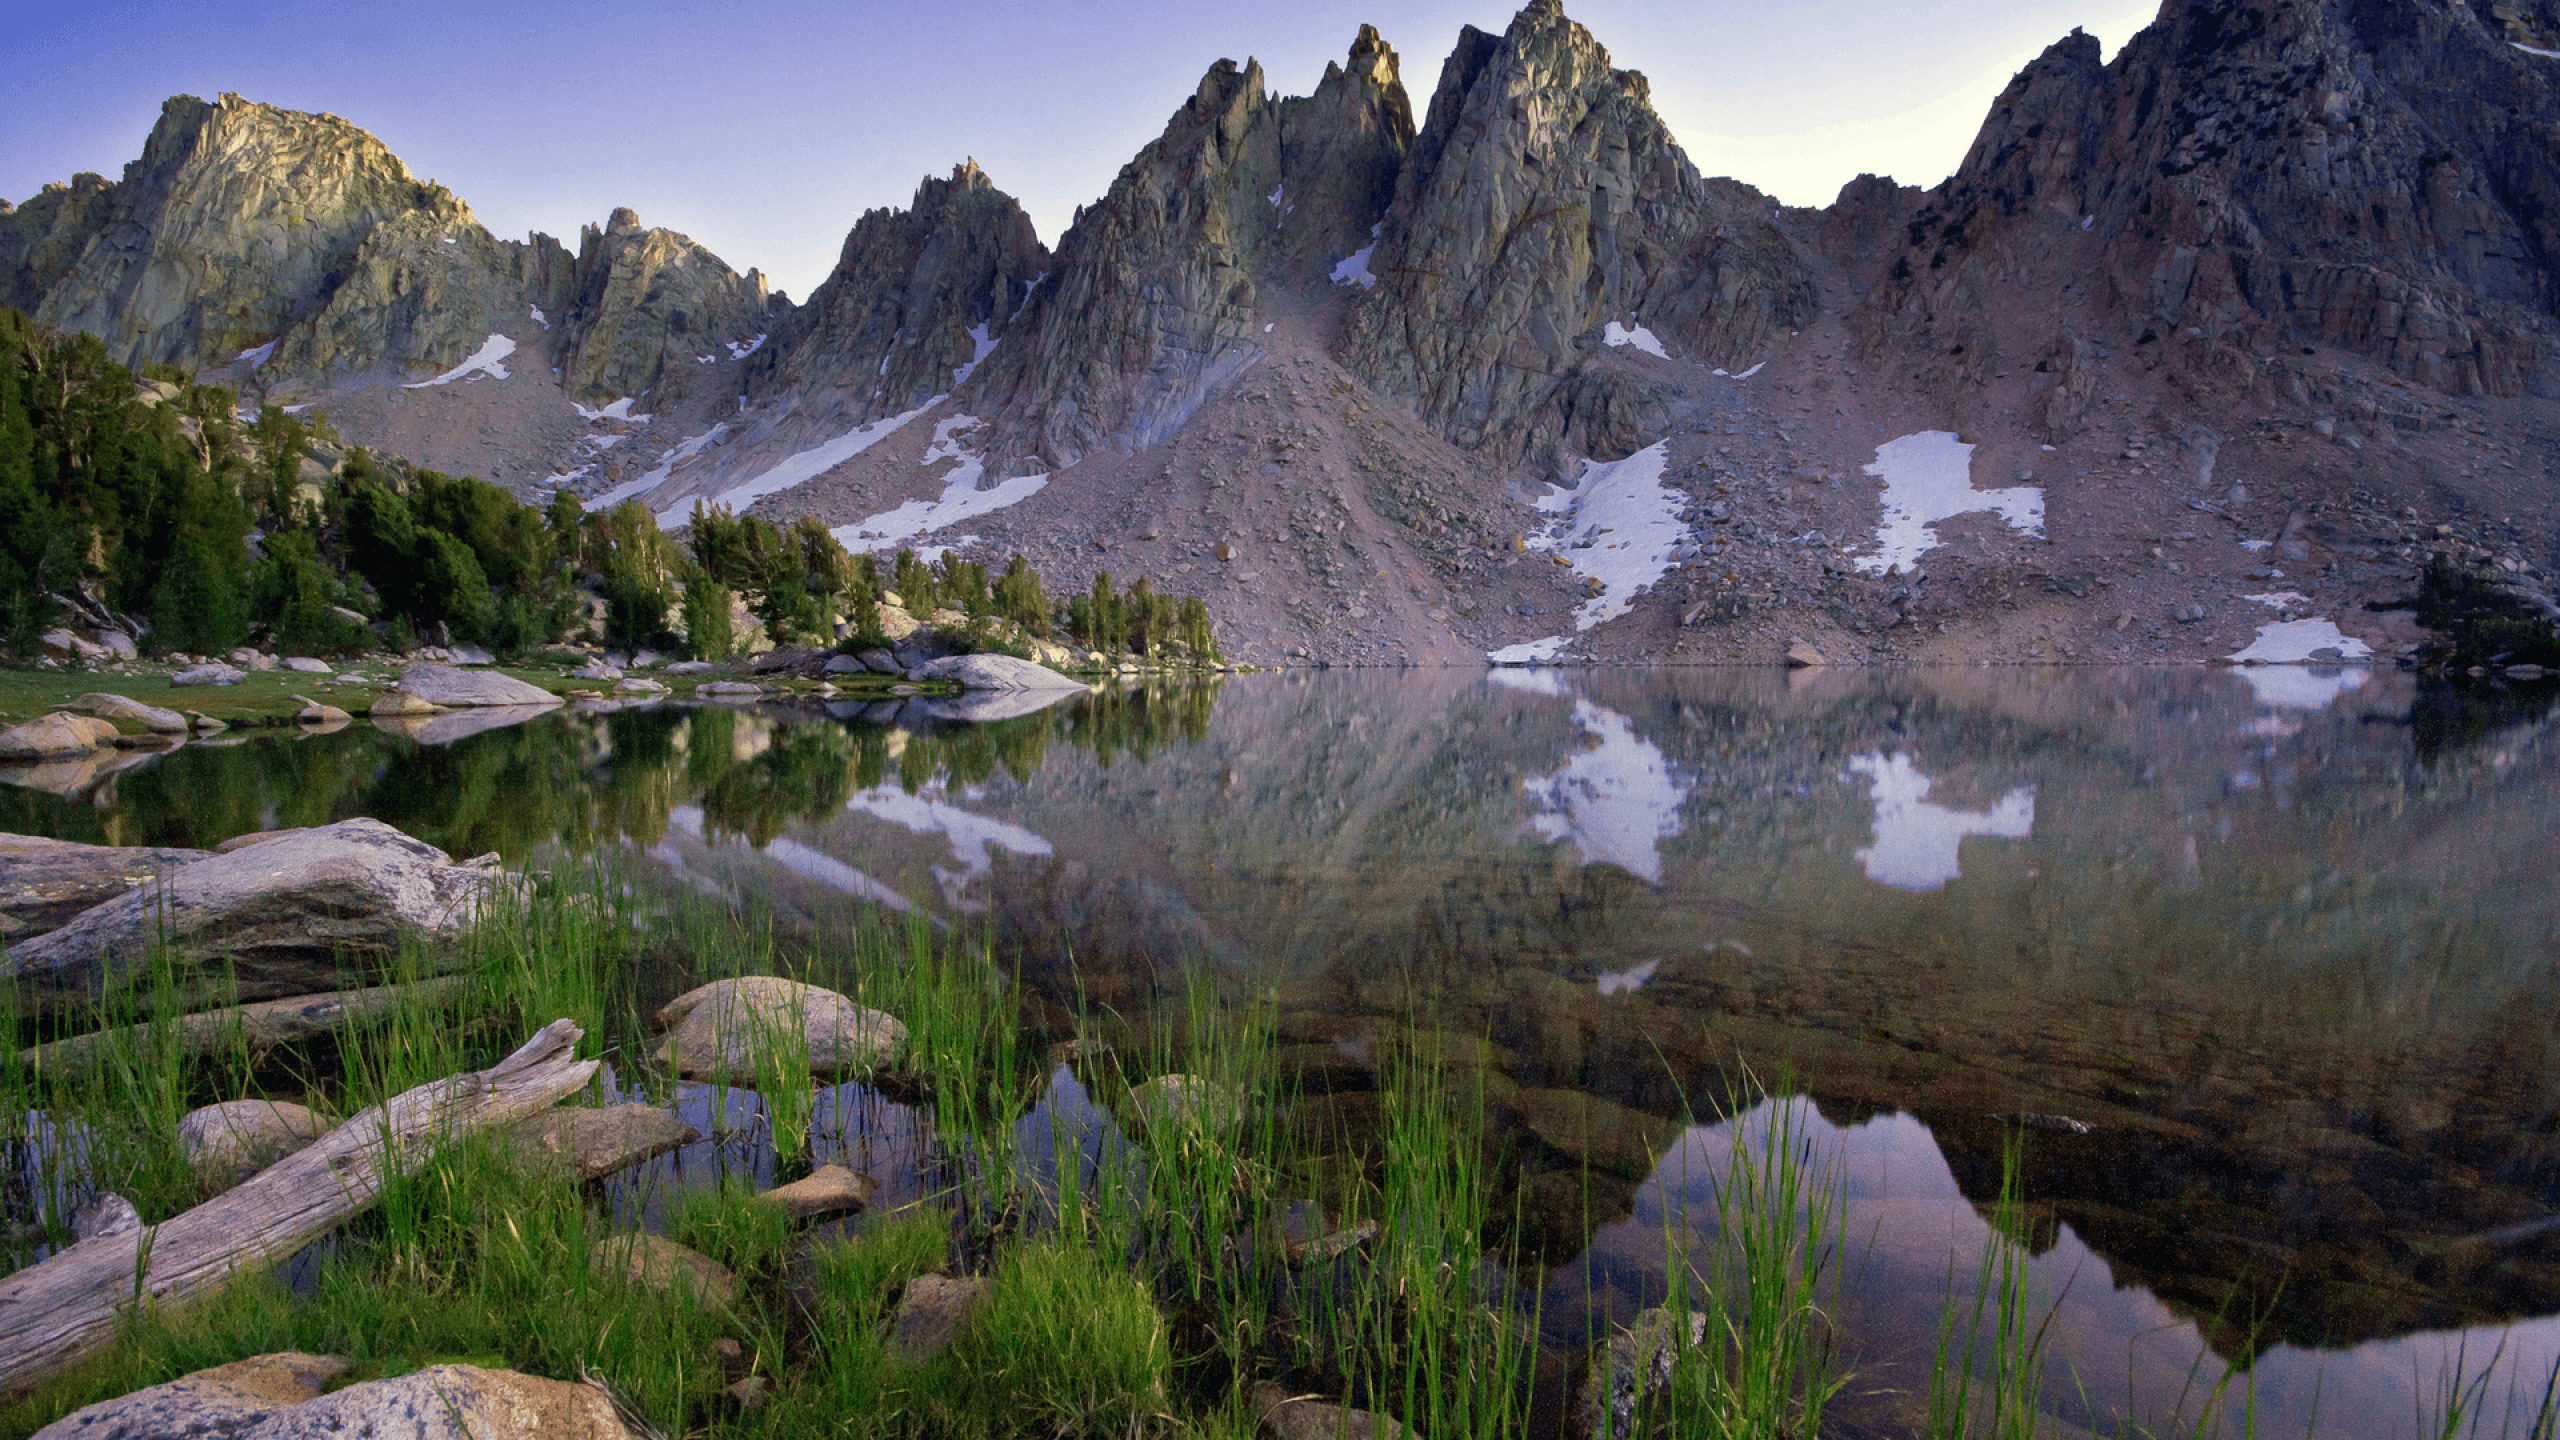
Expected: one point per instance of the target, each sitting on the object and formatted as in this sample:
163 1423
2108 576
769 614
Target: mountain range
2231 334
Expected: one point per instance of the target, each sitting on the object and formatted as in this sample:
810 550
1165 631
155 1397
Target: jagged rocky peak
225 231
915 302
1157 288
650 309
1544 199
2250 177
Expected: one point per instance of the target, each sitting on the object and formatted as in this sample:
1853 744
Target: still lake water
2285 942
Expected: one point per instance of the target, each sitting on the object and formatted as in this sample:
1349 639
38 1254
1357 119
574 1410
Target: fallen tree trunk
56 1313
265 1025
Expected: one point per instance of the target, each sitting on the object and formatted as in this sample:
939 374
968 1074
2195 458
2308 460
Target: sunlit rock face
1156 292
271 242
1544 198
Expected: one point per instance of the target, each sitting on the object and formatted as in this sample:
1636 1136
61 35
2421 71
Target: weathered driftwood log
262 1026
55 1313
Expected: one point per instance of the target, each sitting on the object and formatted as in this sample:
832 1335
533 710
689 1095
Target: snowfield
2299 642
1619 526
961 498
1615 334
487 360
1928 477
798 469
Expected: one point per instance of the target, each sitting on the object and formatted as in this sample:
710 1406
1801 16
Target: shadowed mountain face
2258 176
2289 266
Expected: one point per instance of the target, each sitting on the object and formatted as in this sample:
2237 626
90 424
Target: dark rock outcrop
2254 176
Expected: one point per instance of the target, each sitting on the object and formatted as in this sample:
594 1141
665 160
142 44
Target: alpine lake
2168 1050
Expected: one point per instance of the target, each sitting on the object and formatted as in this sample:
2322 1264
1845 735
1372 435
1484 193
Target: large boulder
716 1030
55 737
451 1402
995 672
280 915
450 686
43 883
227 1400
124 707
229 1142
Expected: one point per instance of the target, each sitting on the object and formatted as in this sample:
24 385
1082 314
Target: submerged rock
1634 1364
226 1400
1278 1415
1187 1102
44 883
593 1143
280 915
826 1192
718 1029
229 1142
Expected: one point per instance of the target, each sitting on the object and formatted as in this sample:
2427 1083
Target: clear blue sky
763 128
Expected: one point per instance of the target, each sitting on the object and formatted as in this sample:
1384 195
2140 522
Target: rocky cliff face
914 302
1544 198
1158 286
2259 176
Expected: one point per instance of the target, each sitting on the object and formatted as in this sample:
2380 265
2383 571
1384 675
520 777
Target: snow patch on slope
981 347
1615 334
256 355
807 465
2299 642
487 360
961 498
1928 477
677 454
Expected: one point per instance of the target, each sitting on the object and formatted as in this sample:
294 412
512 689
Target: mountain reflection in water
2283 941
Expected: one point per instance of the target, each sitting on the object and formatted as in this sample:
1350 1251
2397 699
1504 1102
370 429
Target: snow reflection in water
1617 799
1917 844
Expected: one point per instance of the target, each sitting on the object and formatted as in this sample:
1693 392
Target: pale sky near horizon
764 128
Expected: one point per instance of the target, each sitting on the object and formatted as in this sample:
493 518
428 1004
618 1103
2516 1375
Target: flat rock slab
1279 1415
226 1400
593 1143
55 737
281 913
995 672
44 883
229 1142
823 1194
930 1313
718 1030
106 706
451 686
207 674
654 1262
257 837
